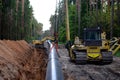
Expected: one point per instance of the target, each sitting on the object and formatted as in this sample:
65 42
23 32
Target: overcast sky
43 9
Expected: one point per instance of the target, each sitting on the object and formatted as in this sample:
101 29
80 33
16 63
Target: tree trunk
0 22
16 21
78 2
67 21
118 11
108 5
22 21
112 19
97 12
0 16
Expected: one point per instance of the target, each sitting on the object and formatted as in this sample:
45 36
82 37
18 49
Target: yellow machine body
93 53
36 42
91 49
39 43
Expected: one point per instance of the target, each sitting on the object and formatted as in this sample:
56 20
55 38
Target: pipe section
54 70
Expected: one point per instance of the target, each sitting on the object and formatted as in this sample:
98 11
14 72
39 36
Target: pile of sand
19 61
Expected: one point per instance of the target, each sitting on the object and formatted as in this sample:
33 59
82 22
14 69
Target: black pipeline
54 70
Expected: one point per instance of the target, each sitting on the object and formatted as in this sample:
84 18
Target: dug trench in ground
20 61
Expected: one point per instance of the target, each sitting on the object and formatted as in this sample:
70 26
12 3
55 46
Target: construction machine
115 45
40 43
94 47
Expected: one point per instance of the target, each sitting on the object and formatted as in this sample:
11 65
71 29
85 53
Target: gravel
89 71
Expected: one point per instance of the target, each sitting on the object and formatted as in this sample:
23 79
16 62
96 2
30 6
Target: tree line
88 13
17 21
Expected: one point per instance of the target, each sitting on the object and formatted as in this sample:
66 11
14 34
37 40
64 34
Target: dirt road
89 71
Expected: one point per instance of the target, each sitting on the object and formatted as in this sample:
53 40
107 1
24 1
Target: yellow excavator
40 43
94 47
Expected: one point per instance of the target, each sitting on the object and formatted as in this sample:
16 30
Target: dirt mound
19 61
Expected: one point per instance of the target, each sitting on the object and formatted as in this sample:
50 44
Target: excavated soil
89 71
20 61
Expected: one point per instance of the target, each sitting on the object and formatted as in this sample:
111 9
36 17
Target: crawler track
89 71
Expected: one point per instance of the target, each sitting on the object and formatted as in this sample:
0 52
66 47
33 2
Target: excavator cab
92 37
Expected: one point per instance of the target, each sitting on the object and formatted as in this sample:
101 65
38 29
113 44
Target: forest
17 21
87 13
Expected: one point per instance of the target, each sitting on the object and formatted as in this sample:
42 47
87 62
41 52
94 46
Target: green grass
61 43
117 53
